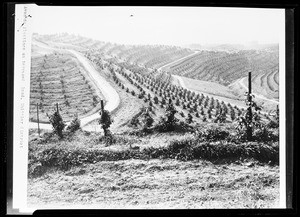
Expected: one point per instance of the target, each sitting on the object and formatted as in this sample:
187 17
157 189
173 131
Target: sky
163 25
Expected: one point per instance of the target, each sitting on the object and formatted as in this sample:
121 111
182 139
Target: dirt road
177 60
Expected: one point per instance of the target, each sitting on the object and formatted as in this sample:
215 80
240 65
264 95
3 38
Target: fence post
249 133
102 105
102 112
37 115
57 108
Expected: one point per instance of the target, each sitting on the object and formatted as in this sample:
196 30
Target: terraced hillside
225 68
58 77
150 56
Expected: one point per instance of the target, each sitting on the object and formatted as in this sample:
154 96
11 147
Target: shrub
147 121
274 123
169 123
105 120
74 125
57 123
212 134
263 134
189 118
155 100
221 117
134 121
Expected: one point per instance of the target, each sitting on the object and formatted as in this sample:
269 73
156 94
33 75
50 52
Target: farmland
169 144
57 77
150 56
225 68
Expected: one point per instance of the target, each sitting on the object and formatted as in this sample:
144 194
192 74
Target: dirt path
109 93
241 82
177 60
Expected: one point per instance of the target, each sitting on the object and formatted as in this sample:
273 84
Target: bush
147 121
134 121
263 134
57 123
189 119
212 134
221 117
273 124
168 123
105 120
74 125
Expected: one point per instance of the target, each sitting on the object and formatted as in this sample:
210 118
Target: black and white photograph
154 107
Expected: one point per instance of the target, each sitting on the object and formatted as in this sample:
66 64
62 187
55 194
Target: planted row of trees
188 100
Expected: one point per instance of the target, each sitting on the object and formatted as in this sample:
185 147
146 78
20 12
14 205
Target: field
224 68
148 56
173 142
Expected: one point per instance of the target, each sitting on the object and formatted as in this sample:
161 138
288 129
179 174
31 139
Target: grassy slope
158 184
155 183
209 87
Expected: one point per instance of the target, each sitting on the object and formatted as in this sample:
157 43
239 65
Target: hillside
225 68
58 77
150 56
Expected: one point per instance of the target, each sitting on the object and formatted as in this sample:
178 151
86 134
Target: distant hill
232 47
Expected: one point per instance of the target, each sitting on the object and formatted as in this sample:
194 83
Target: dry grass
163 184
209 87
154 183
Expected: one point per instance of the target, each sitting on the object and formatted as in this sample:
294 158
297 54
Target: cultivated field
58 77
224 68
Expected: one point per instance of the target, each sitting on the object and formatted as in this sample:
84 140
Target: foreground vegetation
82 147
159 170
158 183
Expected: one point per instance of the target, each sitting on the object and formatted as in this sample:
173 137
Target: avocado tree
57 123
105 120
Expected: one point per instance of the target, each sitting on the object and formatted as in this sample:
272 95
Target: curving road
109 93
177 60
